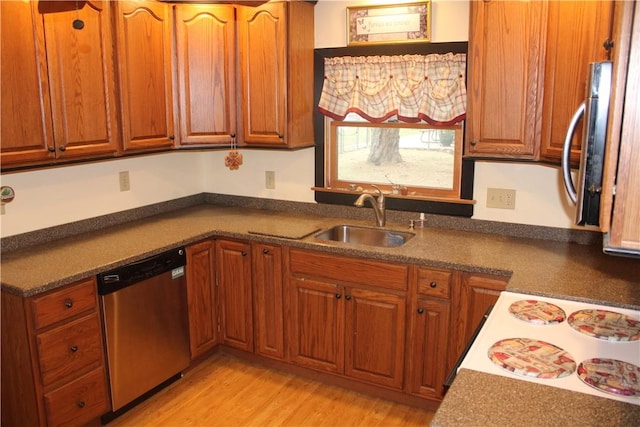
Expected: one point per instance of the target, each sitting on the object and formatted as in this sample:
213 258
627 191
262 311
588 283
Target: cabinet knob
68 303
233 135
474 143
433 284
172 137
265 251
338 296
62 148
81 404
244 253
73 348
348 297
51 149
420 310
281 136
608 45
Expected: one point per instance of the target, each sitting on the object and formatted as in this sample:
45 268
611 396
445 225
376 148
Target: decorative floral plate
611 376
532 358
605 325
537 312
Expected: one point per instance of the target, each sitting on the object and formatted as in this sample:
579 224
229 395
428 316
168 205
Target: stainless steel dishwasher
144 308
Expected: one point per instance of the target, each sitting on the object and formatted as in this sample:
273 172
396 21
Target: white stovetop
501 324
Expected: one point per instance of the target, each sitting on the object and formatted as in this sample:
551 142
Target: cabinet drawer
70 348
354 270
434 283
79 401
64 303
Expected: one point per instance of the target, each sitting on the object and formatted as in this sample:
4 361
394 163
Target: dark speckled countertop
539 267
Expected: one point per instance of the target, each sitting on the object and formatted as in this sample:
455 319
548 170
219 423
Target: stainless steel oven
144 309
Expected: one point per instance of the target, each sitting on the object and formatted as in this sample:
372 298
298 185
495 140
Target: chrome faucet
378 205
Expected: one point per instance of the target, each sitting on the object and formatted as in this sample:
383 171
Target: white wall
56 196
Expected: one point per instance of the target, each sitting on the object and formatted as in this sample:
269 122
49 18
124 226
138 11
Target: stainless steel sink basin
365 236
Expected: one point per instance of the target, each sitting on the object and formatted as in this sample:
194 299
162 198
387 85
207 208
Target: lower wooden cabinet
338 323
268 304
429 322
472 296
233 270
53 366
201 297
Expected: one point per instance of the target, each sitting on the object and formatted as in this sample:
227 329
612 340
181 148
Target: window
418 164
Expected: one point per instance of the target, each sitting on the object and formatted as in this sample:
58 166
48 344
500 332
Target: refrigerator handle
566 153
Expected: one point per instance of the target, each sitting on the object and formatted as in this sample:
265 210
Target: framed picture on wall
394 23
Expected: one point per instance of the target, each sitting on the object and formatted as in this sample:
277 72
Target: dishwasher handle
121 277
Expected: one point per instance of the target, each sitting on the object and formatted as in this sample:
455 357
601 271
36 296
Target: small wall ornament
233 159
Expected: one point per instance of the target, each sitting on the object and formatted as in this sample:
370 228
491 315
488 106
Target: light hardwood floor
226 391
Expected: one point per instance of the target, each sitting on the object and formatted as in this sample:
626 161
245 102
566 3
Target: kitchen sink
365 236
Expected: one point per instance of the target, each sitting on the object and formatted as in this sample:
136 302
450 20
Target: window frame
427 204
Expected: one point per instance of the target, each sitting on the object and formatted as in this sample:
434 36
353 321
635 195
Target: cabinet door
576 36
268 300
429 335
621 190
234 283
26 131
145 74
505 78
315 324
472 297
81 75
263 52
206 54
201 299
374 336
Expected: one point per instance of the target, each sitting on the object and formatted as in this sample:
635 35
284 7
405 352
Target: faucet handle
380 193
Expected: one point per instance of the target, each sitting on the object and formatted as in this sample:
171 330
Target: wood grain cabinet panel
268 303
144 40
233 269
206 73
577 32
201 297
58 86
340 321
275 44
53 368
505 78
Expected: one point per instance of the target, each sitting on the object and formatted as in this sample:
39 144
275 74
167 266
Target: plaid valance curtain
413 87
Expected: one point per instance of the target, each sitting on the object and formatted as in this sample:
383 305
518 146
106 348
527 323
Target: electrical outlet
501 198
270 180
125 183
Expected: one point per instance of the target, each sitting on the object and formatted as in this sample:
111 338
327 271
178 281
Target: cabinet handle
73 348
420 310
68 303
51 149
62 148
348 297
338 296
433 284
265 251
244 253
81 404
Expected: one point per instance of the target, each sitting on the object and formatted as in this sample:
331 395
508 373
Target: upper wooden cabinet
206 73
275 44
528 66
620 210
58 87
504 78
576 35
143 41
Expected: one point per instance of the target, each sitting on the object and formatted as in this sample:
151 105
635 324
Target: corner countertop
537 267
